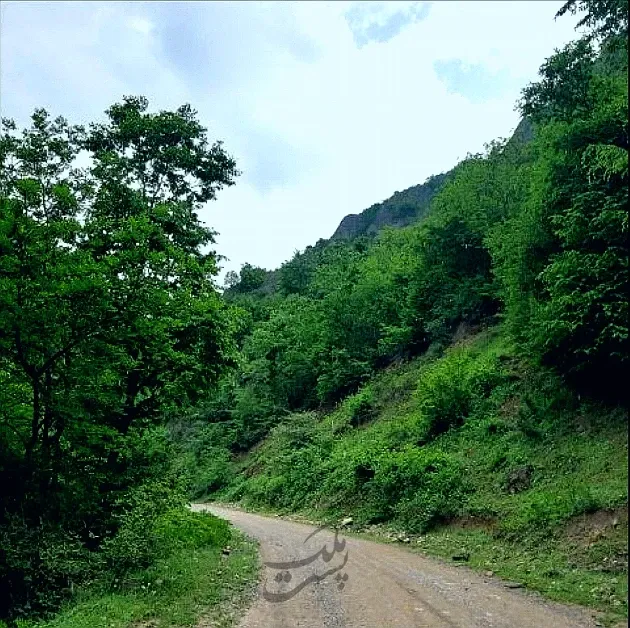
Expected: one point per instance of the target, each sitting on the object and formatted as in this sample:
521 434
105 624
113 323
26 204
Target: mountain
524 132
410 205
399 210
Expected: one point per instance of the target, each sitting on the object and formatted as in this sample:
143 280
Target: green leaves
565 268
603 17
605 162
109 315
165 156
562 93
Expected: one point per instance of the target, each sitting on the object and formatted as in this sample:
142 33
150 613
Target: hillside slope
402 209
473 454
362 393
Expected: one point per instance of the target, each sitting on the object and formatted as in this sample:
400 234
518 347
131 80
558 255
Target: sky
327 107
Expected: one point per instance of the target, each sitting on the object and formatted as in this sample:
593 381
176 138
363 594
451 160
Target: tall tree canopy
109 315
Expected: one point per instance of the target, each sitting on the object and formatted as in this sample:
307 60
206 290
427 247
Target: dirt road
344 582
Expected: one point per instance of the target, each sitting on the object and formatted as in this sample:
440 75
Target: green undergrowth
474 449
584 570
196 581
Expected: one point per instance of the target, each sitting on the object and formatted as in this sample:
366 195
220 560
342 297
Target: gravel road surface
343 582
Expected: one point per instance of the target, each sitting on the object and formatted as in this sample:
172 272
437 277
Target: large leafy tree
604 18
109 314
150 174
575 227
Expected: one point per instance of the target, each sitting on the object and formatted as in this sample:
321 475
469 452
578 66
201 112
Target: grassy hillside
471 452
362 392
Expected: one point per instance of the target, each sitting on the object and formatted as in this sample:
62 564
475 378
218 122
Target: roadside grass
472 450
558 567
190 585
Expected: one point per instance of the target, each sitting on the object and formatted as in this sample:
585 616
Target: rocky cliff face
401 209
524 132
410 205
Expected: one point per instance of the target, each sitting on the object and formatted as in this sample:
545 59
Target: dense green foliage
520 430
533 231
109 321
193 578
471 451
128 382
378 449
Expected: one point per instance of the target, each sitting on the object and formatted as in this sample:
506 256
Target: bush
360 407
451 389
415 487
40 567
342 479
263 490
142 513
212 471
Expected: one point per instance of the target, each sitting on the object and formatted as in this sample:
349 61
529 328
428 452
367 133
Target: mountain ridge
410 205
399 210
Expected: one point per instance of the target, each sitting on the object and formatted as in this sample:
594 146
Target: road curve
378 586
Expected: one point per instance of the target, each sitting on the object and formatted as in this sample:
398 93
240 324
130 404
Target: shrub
263 490
40 566
141 513
212 471
360 407
453 387
415 487
342 479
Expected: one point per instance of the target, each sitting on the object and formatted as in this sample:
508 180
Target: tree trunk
46 467
30 447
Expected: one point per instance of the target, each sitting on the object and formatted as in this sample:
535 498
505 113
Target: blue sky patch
377 22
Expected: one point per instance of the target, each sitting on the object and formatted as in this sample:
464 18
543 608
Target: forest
357 378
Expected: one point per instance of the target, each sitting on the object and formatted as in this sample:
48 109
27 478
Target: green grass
470 449
177 591
557 567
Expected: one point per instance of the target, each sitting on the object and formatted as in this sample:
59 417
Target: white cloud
140 25
320 126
